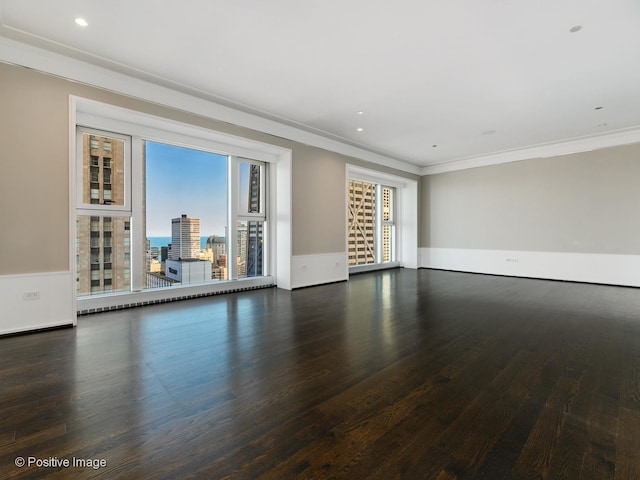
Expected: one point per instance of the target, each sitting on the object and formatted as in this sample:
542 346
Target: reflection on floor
395 374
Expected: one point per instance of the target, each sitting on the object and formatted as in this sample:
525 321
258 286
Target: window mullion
138 218
232 232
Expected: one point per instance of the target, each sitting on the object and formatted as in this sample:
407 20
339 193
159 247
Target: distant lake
164 241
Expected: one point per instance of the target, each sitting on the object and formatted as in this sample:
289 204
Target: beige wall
34 185
34 180
584 203
318 185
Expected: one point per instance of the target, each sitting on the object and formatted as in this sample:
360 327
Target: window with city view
371 226
187 209
186 215
183 230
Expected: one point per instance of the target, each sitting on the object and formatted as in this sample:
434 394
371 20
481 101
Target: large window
194 217
371 226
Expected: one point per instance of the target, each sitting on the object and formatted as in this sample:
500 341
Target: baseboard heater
107 303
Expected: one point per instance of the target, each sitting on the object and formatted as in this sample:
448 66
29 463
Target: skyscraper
362 210
371 231
184 264
241 246
255 238
103 241
387 228
185 238
218 245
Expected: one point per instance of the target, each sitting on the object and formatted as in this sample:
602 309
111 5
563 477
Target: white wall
310 270
35 301
569 217
579 267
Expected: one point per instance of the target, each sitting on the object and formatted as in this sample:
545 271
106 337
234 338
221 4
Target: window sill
372 267
120 300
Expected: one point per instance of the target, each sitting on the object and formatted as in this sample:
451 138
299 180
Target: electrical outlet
34 295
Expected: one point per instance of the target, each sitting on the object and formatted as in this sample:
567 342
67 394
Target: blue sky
181 180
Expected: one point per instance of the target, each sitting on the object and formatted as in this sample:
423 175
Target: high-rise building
387 227
184 263
185 238
103 246
371 234
187 271
218 245
241 246
362 214
253 259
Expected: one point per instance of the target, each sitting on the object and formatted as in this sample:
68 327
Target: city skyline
177 181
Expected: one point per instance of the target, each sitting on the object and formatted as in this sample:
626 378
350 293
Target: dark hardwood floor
402 374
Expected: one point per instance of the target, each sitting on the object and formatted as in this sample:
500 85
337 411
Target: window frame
378 221
137 163
236 216
98 213
404 213
110 118
107 209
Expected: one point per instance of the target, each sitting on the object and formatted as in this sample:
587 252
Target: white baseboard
308 270
578 267
36 301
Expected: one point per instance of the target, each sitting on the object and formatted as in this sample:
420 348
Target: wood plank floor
401 374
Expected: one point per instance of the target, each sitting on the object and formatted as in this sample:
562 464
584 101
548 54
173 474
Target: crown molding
583 144
41 59
53 63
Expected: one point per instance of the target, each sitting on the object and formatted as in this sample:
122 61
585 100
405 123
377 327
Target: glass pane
388 252
186 216
387 204
362 210
102 256
250 188
216 251
102 164
250 249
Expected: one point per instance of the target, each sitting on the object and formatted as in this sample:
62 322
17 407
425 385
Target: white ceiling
438 81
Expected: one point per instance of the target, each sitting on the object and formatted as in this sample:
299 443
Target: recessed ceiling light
360 112
575 29
360 129
81 21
